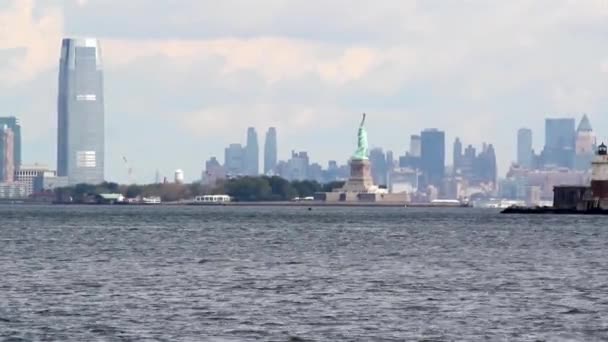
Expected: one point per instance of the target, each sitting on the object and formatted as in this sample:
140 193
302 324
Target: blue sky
184 78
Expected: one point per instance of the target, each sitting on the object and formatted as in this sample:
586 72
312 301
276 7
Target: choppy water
289 274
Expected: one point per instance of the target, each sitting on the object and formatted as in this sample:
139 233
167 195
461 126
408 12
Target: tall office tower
525 155
252 153
13 123
80 109
298 166
415 146
377 159
270 151
7 159
585 145
457 154
560 139
234 160
432 158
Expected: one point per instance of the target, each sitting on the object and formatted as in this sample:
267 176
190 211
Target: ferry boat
211 199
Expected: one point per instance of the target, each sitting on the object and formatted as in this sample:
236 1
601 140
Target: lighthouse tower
599 174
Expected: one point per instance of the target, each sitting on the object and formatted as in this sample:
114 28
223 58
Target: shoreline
303 204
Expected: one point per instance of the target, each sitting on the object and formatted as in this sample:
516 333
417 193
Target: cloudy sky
183 78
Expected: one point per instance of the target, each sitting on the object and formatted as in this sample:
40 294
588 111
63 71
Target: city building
379 167
234 160
457 154
525 154
7 159
252 153
270 151
80 135
560 139
13 123
178 177
27 175
214 171
585 145
432 158
415 145
297 166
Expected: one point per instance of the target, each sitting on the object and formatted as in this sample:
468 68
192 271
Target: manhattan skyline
177 93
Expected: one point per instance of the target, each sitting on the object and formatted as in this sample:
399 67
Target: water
289 274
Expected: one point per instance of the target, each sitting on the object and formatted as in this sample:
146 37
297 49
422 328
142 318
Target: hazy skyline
183 79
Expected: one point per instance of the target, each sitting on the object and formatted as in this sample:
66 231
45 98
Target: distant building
432 156
179 176
525 154
7 159
252 153
379 166
585 145
27 175
270 151
13 123
415 146
80 135
457 154
214 171
297 166
234 160
559 142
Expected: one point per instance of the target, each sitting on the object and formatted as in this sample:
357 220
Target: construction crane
129 170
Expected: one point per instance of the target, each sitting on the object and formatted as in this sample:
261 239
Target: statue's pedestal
360 177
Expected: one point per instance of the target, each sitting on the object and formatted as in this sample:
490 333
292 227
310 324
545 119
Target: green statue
362 148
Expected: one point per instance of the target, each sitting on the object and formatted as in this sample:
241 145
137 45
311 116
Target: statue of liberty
362 148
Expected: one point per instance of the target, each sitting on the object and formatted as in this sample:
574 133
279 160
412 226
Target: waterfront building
80 107
270 151
252 153
234 160
27 175
13 123
559 142
525 154
585 145
7 159
432 158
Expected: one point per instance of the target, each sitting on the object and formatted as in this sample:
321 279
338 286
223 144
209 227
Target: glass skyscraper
252 153
270 151
13 123
80 109
432 158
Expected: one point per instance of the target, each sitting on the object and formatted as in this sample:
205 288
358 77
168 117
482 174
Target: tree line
244 189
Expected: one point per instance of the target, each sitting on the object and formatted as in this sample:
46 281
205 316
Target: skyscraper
252 153
457 154
234 160
270 151
415 145
80 109
524 148
560 139
585 145
432 157
13 123
7 160
377 159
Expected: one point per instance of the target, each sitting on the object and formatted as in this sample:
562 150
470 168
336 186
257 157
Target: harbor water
162 273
